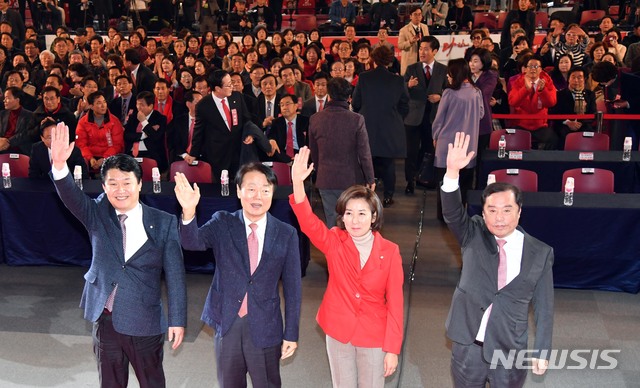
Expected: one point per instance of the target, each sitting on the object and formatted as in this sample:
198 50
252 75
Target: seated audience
40 161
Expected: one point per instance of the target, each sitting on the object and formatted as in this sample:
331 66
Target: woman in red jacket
362 309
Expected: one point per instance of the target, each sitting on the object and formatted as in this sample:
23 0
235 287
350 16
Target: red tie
133 79
290 152
502 268
227 112
320 105
191 126
427 72
252 243
136 145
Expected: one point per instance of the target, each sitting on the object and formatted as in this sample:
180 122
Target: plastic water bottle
77 176
502 147
626 151
568 192
224 183
6 176
155 175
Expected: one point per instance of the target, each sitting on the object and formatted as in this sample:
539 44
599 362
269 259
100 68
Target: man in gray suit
425 80
133 245
504 271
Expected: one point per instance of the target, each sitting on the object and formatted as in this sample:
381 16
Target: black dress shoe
387 202
411 188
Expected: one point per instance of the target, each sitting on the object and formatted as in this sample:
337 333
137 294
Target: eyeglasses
533 67
476 38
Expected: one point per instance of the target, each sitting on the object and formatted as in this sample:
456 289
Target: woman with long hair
461 109
485 80
560 73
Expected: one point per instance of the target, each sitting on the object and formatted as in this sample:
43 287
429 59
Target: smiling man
505 270
133 245
253 250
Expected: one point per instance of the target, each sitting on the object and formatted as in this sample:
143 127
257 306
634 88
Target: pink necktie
121 217
193 123
252 243
227 112
502 265
289 144
136 145
320 105
502 268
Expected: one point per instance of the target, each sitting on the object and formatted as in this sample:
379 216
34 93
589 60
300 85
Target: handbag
427 172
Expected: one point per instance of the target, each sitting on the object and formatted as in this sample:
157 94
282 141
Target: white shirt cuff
187 222
449 185
59 174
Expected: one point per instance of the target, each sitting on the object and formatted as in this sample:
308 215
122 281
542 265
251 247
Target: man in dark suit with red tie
253 251
219 131
319 99
143 78
124 106
180 131
289 130
144 134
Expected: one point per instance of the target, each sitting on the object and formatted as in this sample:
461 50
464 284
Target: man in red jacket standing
534 93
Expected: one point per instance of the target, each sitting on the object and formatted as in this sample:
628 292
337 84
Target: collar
262 223
133 213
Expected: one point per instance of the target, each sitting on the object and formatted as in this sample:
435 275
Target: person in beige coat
409 39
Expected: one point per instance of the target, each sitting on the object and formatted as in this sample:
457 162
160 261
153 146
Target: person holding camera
459 16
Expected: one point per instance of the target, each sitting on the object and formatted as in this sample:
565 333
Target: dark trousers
546 138
470 370
419 142
385 170
236 355
114 352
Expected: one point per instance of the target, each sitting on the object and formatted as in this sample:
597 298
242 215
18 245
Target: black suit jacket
155 142
15 19
566 105
109 92
213 141
40 166
178 136
260 110
24 135
309 106
63 114
115 107
278 132
145 79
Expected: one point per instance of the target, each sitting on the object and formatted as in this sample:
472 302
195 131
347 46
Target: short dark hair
47 89
293 98
148 97
57 77
122 162
124 76
604 71
577 69
46 123
189 96
382 56
200 78
500 187
321 75
433 42
215 79
94 96
98 38
269 75
360 192
132 56
89 78
485 57
16 92
339 89
12 72
256 167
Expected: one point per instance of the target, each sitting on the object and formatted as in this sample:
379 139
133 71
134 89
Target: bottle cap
627 140
77 171
491 179
155 172
5 167
570 183
224 174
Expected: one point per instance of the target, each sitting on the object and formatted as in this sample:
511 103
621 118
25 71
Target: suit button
357 295
114 284
124 267
250 281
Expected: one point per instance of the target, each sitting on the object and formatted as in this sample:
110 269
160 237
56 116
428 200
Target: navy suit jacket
225 234
156 131
40 165
137 308
278 132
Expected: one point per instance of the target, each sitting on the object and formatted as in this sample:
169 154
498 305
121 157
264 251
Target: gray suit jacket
137 308
478 287
418 94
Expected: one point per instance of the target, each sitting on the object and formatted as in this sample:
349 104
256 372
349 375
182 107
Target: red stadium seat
591 16
200 173
283 173
305 23
600 181
542 19
518 141
306 7
485 19
578 142
18 163
147 165
526 180
502 16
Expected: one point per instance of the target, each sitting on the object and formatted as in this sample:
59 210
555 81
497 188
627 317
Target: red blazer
363 307
524 101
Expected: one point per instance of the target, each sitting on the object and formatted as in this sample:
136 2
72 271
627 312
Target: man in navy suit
505 270
133 245
253 251
289 143
145 134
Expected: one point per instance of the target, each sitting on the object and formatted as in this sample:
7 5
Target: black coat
155 141
40 166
